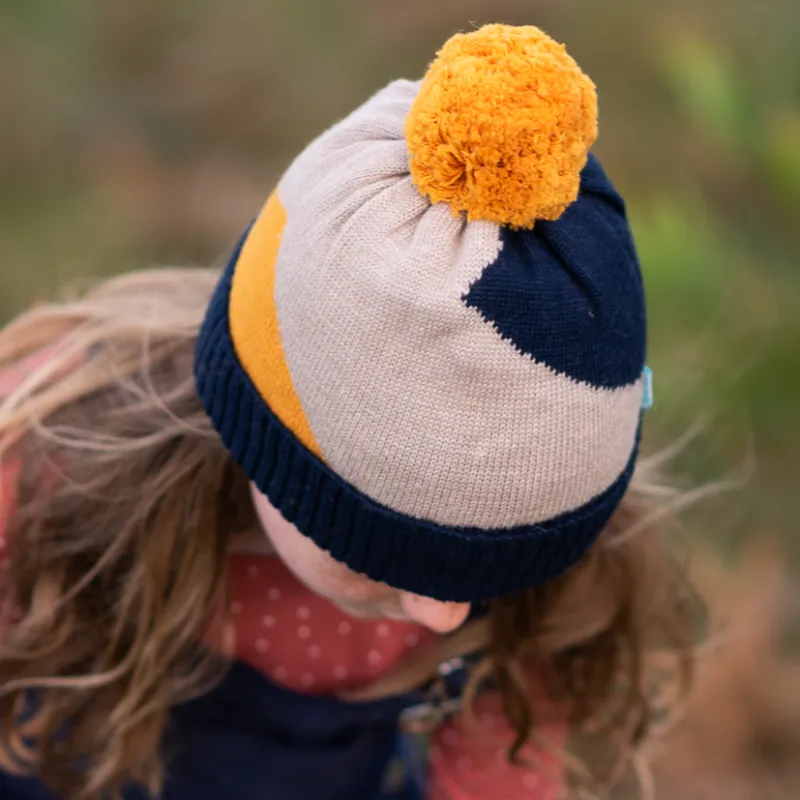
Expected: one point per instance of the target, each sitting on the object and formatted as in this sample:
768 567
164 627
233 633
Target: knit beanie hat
427 350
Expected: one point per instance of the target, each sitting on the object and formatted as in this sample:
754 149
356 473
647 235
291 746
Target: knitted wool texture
444 395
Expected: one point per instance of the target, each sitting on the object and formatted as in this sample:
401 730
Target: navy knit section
569 293
448 563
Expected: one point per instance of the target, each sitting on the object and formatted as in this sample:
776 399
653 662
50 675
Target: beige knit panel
413 398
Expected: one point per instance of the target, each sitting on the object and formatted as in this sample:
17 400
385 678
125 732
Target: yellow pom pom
502 126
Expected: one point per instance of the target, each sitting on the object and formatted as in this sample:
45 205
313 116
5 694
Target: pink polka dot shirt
303 642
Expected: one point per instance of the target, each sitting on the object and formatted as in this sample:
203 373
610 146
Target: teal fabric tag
647 389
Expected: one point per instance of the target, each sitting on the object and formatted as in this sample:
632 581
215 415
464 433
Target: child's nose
434 614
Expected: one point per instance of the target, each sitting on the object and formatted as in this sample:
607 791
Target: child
263 539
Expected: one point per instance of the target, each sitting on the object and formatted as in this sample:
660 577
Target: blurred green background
149 132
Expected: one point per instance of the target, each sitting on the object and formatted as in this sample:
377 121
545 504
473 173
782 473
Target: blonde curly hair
125 504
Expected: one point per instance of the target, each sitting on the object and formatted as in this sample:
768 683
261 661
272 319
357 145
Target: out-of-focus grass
137 133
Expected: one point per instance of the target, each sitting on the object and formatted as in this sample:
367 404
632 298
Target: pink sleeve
468 764
8 480
10 378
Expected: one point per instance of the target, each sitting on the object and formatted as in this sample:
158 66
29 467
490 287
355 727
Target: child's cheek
314 567
321 573
327 576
